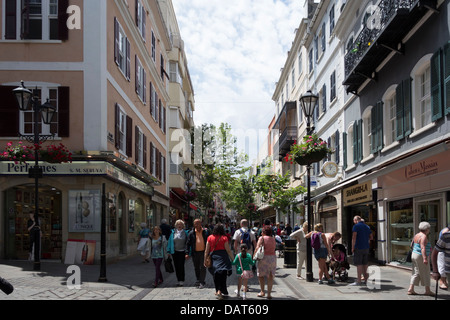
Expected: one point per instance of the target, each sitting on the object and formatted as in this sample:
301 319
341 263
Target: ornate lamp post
308 102
27 99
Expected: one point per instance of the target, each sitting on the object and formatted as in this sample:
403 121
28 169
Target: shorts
321 253
361 257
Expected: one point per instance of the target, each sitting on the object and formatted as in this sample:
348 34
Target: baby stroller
279 245
338 263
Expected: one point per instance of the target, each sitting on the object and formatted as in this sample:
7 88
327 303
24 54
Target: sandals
412 293
261 295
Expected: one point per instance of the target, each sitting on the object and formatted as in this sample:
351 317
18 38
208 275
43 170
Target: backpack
315 240
245 238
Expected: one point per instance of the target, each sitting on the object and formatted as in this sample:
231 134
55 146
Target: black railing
377 23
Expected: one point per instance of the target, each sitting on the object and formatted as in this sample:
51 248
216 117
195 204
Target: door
429 211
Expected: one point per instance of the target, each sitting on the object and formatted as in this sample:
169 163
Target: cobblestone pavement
130 279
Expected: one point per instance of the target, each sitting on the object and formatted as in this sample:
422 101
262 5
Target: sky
235 50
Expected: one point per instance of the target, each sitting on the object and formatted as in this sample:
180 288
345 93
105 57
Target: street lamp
308 102
26 99
188 176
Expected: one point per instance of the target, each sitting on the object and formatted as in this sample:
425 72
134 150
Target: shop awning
193 207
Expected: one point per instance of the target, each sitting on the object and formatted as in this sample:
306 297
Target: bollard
290 254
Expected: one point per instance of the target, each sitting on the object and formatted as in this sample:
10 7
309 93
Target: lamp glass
24 97
188 174
308 102
47 112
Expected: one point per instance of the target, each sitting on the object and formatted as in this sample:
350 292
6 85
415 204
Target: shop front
416 192
359 200
70 208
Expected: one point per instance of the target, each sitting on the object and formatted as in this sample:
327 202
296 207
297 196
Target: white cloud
235 50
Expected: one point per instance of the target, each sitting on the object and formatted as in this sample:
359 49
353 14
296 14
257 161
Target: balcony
392 22
286 125
287 138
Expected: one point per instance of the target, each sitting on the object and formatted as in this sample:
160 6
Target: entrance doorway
20 203
429 211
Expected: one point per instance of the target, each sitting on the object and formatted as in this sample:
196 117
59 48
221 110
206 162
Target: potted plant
22 153
313 149
19 153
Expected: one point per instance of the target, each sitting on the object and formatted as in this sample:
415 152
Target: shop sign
421 169
359 193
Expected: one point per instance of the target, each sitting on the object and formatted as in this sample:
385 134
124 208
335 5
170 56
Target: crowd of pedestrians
216 249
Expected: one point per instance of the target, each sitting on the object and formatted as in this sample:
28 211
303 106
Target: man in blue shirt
360 247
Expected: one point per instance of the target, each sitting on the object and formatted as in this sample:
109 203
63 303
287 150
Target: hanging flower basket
313 149
311 158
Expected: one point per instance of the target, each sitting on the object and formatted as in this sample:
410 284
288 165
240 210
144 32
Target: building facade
380 69
105 66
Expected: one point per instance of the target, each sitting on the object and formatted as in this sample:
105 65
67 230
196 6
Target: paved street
130 279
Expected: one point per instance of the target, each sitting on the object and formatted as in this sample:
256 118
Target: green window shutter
377 127
374 131
446 70
360 140
344 150
355 142
407 107
436 93
399 113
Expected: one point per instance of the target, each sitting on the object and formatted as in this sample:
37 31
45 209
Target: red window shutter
10 19
9 113
63 31
63 111
129 150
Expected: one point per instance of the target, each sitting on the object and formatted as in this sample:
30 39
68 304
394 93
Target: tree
220 162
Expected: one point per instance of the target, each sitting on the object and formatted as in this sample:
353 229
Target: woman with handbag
243 262
218 258
268 264
177 245
158 253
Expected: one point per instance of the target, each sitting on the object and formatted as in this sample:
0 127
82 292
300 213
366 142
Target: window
141 18
424 98
122 125
121 49
153 53
333 86
293 77
174 73
311 61
35 20
27 117
403 125
140 148
322 100
141 81
367 132
390 115
332 23
300 64
14 121
322 36
163 168
152 159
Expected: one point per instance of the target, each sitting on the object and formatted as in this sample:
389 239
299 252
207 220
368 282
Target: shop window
401 229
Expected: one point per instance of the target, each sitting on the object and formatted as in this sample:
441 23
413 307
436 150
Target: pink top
269 245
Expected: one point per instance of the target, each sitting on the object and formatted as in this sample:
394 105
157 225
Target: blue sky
235 50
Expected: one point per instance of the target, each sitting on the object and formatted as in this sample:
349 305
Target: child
243 262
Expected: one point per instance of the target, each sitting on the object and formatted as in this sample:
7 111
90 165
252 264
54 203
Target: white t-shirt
237 237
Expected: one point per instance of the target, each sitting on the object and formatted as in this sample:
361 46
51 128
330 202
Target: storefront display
49 218
401 229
